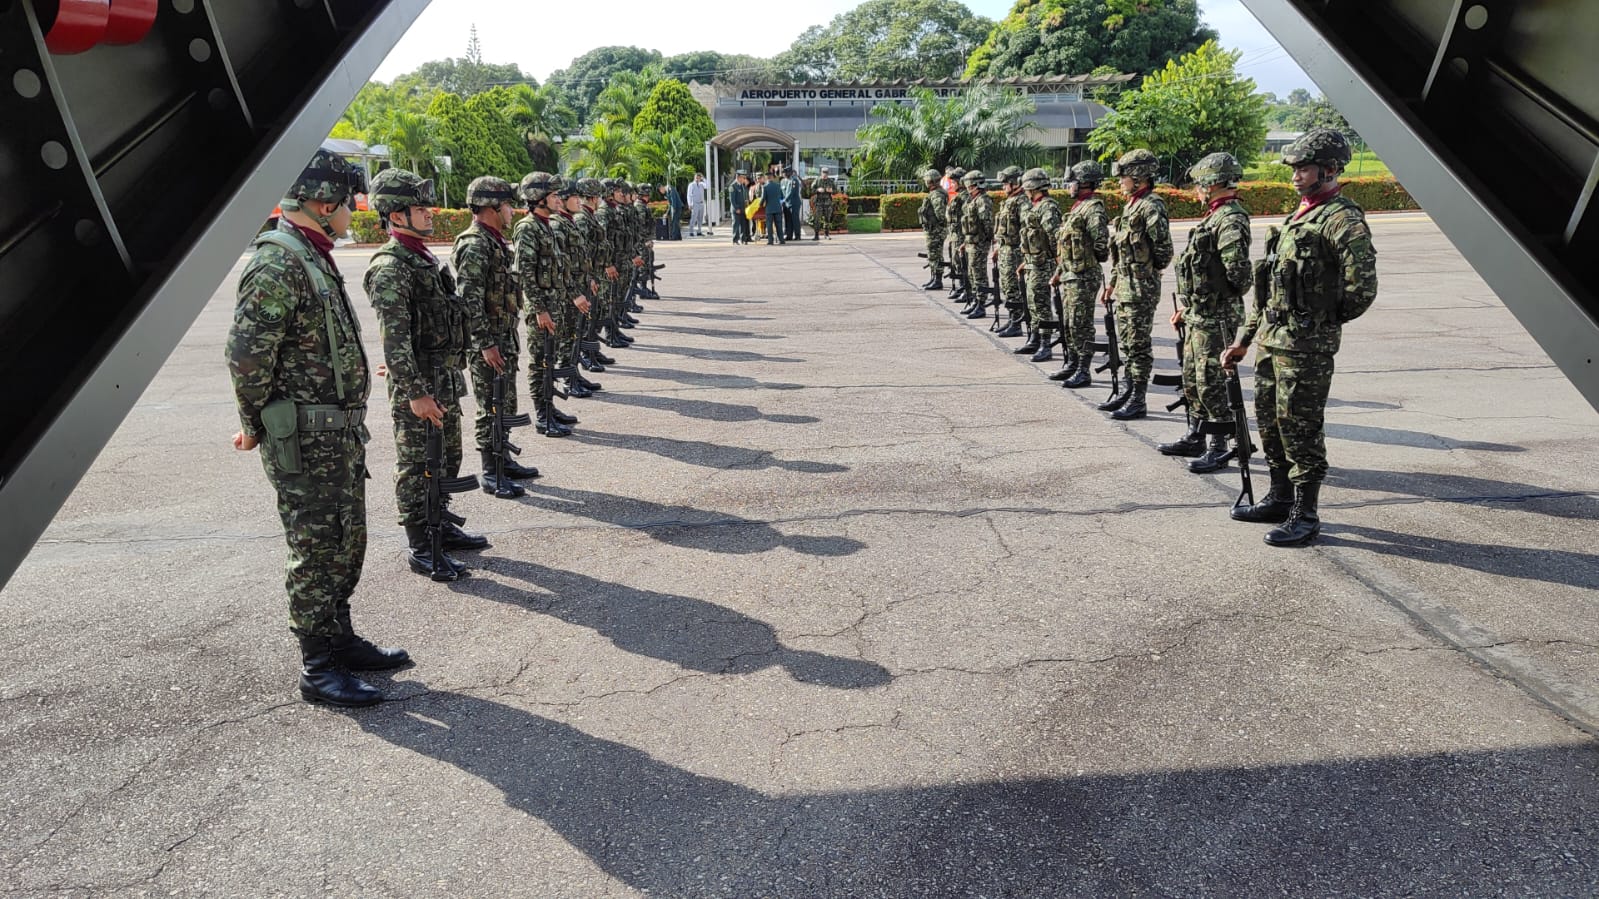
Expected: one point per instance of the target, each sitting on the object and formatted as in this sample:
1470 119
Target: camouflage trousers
566 330
977 268
410 446
323 508
536 351
1011 287
1137 296
483 387
1204 382
1079 297
935 251
1039 271
822 216
1291 407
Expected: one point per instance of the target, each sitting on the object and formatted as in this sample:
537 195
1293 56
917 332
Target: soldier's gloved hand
582 303
426 407
545 323
494 359
1231 356
244 442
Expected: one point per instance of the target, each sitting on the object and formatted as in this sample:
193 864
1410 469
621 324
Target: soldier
1140 249
1083 245
603 275
300 380
977 229
425 327
572 244
1041 221
545 298
484 277
615 216
822 204
931 215
953 210
1212 275
1008 250
644 250
1320 273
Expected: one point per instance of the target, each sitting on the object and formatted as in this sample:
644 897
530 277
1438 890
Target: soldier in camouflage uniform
1319 274
1212 274
578 258
1082 245
545 299
977 230
644 249
957 241
822 205
604 275
931 215
1041 221
300 379
1008 251
482 259
426 330
1140 248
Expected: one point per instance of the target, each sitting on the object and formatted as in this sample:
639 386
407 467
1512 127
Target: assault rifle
1058 303
1162 380
994 294
1239 427
1113 353
438 487
550 373
500 425
653 269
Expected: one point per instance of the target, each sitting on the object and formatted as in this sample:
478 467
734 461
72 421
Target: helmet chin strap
291 204
411 227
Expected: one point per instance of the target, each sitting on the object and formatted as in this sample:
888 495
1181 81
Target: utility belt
284 421
330 418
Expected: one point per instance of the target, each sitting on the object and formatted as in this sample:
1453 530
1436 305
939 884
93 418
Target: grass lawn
865 224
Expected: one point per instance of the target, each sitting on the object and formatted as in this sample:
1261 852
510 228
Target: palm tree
624 96
605 152
412 142
982 128
665 157
544 119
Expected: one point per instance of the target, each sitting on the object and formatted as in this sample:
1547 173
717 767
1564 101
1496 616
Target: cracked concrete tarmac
832 597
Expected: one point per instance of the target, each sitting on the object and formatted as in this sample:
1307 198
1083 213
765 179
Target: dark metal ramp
144 142
1488 112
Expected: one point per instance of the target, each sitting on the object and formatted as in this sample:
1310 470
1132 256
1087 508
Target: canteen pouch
281 419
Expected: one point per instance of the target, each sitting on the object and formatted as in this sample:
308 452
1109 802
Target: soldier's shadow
704 379
703 409
721 333
715 355
707 455
690 633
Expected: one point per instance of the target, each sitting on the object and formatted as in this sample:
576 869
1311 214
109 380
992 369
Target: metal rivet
1476 17
54 154
218 98
199 50
183 7
87 232
26 82
1460 67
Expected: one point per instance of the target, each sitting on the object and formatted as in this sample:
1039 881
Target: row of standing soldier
301 379
1318 274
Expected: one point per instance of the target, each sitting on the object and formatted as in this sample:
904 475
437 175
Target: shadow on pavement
716 332
714 355
685 526
1454 488
1416 439
1553 566
713 316
1471 824
705 454
703 379
690 633
704 409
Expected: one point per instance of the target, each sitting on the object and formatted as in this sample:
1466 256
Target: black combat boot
504 489
1113 402
1031 346
592 386
518 471
1013 325
1068 366
358 654
591 363
419 555
576 390
598 357
1303 523
1189 445
626 322
1134 407
612 337
1083 376
455 538
322 680
978 310
1274 507
936 284
561 417
1215 457
1046 350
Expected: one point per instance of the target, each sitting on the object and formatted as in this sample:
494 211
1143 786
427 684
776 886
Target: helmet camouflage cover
1322 146
1087 172
489 192
396 190
1035 179
535 187
1010 173
931 175
591 187
1217 168
973 178
1139 163
328 177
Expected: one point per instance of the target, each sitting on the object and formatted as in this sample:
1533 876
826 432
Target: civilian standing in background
698 191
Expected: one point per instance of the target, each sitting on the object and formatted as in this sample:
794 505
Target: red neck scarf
416 245
1311 202
494 231
1219 203
318 239
1082 197
1140 193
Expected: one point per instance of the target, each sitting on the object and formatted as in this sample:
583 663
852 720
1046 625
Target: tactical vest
1076 244
1008 228
438 314
952 213
1201 272
1130 247
1037 239
500 297
1307 274
335 308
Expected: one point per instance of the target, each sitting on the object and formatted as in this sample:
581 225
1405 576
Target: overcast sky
515 32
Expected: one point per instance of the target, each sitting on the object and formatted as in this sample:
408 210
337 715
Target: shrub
864 205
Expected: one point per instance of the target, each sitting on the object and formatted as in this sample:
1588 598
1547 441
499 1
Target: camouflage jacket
278 347
953 213
822 191
538 271
1040 224
931 213
609 217
977 220
599 249
1141 242
1320 274
423 321
1213 272
1083 241
644 226
1008 224
571 245
484 277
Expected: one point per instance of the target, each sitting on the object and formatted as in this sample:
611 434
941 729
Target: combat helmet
1139 163
1087 174
1010 173
535 187
591 187
1216 169
931 176
329 178
973 178
488 192
1035 179
1322 146
397 190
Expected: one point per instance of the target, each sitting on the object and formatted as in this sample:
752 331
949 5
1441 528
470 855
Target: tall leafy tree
544 119
671 108
1321 113
477 141
1071 37
413 142
589 74
462 77
606 151
887 40
707 66
985 128
624 97
1195 105
671 156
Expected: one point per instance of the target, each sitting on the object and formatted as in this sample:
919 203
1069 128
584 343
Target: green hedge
870 204
447 223
1261 198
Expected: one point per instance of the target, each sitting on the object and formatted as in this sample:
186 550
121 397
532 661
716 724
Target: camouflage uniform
1084 244
1141 249
611 220
977 230
822 204
1212 275
953 211
1008 233
599 248
541 279
483 264
931 216
573 252
1040 223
